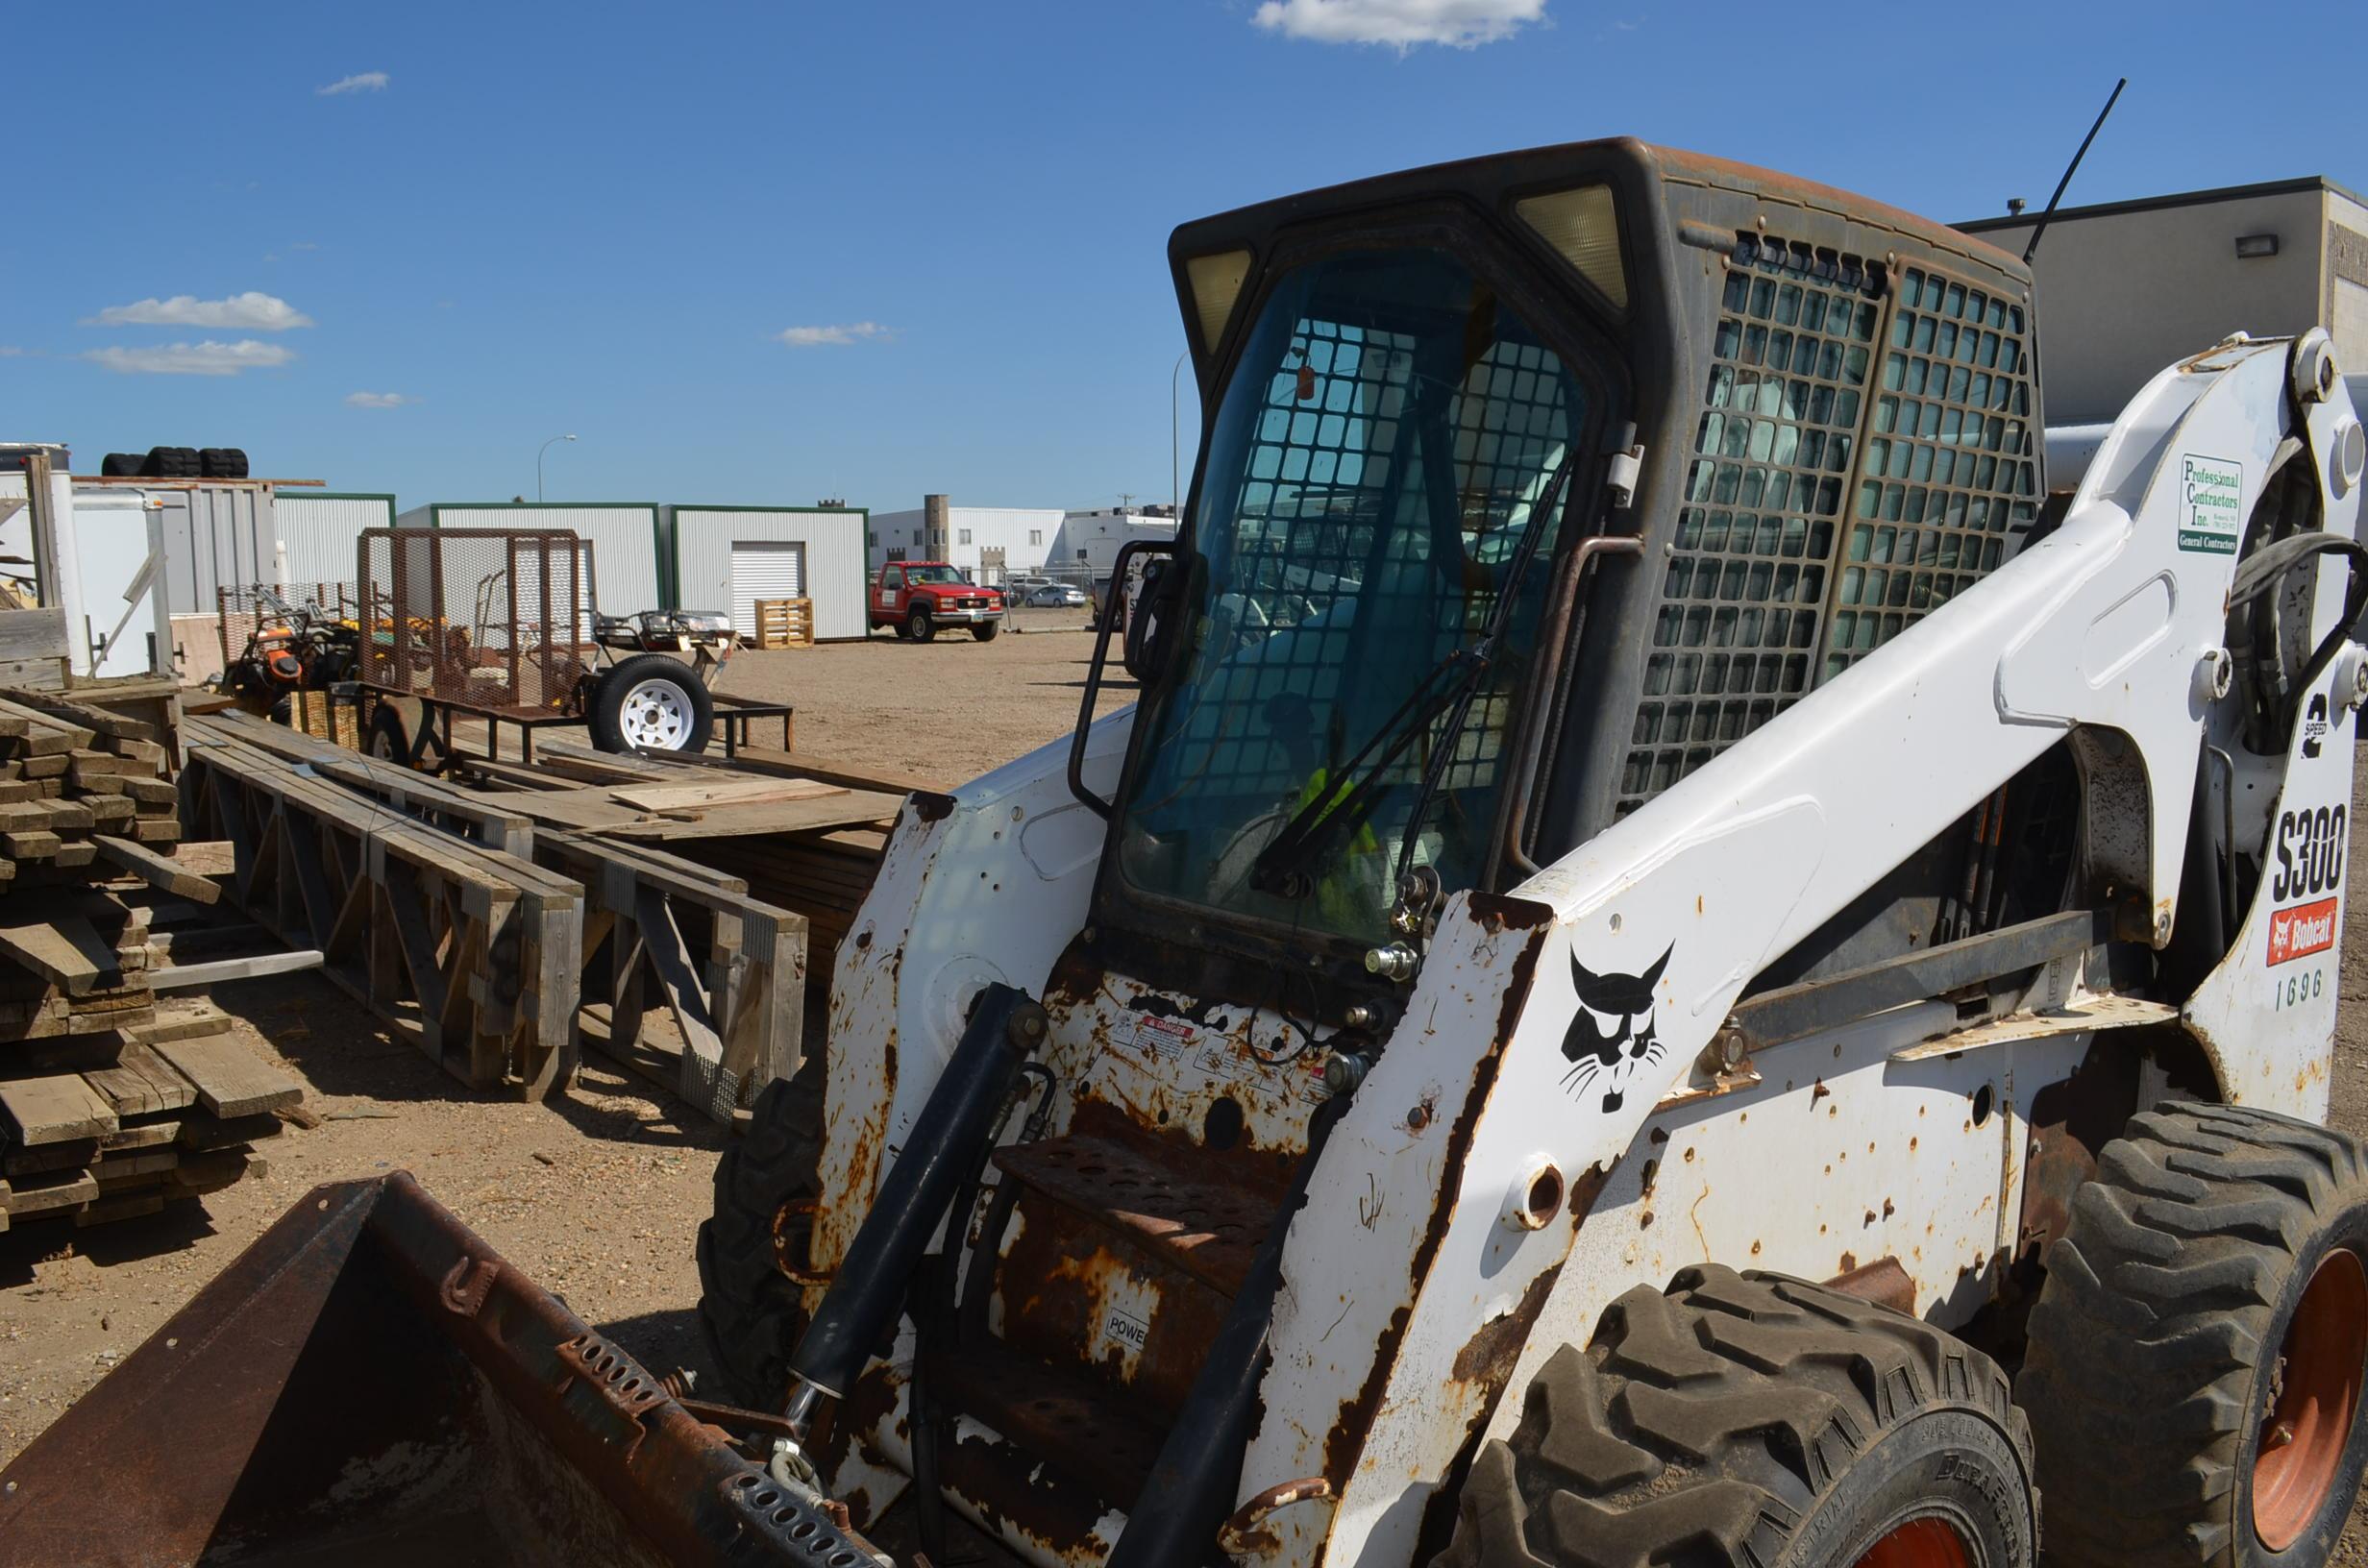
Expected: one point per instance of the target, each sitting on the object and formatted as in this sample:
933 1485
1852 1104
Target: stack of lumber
822 876
116 1123
81 795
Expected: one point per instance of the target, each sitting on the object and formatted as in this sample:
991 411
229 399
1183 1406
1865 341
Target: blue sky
514 221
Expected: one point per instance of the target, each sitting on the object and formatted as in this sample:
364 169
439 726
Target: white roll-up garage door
762 569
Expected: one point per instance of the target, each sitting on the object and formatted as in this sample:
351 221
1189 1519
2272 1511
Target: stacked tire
175 463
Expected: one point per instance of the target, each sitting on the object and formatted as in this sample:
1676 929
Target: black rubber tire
2159 1330
985 632
1751 1421
283 709
391 737
750 1311
121 465
904 633
605 720
919 626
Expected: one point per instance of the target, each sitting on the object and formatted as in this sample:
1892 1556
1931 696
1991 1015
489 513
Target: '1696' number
2309 852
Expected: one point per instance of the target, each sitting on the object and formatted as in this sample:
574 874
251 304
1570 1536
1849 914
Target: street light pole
1176 466
539 461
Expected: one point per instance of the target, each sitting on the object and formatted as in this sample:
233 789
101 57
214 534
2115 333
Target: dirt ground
597 1195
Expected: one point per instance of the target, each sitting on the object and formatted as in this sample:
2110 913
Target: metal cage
495 620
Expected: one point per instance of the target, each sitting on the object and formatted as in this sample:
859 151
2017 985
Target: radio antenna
2033 249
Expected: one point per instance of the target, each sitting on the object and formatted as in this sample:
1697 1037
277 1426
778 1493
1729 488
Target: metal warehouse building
987 542
2126 288
319 531
628 548
727 558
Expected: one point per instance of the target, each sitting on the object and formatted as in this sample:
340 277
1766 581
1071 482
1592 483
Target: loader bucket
370 1384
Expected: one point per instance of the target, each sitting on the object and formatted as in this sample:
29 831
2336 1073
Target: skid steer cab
1690 955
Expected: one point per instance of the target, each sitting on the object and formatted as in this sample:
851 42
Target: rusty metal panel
498 619
371 1384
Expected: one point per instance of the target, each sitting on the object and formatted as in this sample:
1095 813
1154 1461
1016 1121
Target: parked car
916 598
1017 589
1058 596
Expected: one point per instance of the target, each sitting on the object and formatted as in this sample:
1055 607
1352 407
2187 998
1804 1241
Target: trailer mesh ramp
496 620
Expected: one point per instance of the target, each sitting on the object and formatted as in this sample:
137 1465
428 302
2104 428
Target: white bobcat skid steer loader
1638 780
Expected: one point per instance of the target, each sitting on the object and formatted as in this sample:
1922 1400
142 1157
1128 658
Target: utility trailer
1689 956
532 650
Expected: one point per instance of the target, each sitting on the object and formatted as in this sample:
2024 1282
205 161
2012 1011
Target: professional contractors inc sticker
2211 500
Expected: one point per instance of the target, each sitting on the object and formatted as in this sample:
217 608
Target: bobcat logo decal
1612 1034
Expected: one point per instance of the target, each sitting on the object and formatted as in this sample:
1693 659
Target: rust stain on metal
1486 1359
1884 1281
1590 1187
1495 912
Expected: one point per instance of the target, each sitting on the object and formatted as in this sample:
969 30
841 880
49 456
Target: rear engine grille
1905 452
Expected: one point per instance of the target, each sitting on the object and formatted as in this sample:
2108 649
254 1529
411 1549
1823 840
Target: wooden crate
784 623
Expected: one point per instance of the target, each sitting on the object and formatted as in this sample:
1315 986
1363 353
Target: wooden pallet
471 952
784 623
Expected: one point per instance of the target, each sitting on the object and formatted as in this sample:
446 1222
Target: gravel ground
597 1195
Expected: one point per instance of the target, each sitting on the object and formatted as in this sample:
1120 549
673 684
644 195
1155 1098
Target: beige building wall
2127 289
2347 279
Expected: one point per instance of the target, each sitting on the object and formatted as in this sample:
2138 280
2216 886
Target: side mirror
1143 613
1148 617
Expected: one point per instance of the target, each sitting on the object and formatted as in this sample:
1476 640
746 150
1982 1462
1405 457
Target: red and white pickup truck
918 597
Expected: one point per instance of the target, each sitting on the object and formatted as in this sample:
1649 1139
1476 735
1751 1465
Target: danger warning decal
2301 931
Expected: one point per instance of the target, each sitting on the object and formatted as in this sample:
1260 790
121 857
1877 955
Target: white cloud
853 332
377 399
9 350
248 312
206 358
366 81
1464 24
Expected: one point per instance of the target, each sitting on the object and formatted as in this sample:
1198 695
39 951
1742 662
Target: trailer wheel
391 731
758 1234
651 702
2196 1358
1761 1422
985 631
919 626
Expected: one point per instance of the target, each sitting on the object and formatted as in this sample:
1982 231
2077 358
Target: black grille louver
1864 452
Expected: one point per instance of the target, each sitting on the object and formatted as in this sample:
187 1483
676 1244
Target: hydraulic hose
945 1147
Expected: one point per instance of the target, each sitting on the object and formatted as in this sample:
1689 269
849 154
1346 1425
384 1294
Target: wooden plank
63 950
32 635
230 1081
207 1133
98 720
71 1155
160 871
183 1021
49 1193
221 970
146 1135
141 1083
698 795
766 819
44 727
55 1110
